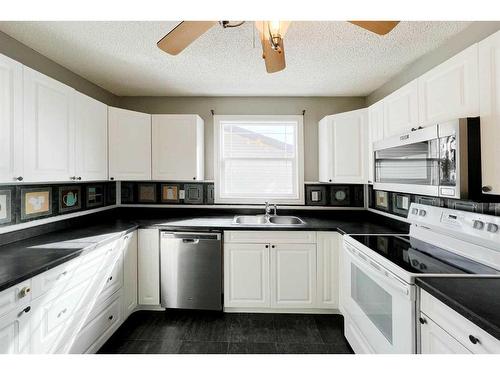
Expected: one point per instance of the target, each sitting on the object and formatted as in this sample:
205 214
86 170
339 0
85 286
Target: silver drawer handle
62 275
62 312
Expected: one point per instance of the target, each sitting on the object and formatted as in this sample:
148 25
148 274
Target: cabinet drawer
14 296
67 276
458 326
270 236
113 282
107 320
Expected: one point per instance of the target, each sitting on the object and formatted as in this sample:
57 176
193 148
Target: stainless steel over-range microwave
443 160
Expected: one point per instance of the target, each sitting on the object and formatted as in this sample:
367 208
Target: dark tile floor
195 332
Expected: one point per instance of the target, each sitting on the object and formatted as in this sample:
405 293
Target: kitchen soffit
323 58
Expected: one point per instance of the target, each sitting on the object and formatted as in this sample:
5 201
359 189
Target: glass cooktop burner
417 256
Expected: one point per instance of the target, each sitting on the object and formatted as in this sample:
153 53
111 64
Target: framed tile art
170 193
36 202
95 196
146 193
70 198
5 206
127 192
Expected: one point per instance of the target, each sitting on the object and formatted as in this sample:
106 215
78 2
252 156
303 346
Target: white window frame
299 200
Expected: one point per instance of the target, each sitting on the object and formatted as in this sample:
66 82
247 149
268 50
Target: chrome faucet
268 208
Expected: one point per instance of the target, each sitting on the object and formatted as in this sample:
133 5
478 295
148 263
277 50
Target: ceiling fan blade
183 35
274 60
377 27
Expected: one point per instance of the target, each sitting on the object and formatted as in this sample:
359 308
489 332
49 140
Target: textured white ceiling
323 58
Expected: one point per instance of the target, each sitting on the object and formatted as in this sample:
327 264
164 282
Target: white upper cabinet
342 147
178 152
375 133
49 129
450 90
11 120
489 93
401 110
91 151
129 145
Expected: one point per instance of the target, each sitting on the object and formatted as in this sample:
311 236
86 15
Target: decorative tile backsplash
326 195
398 203
22 203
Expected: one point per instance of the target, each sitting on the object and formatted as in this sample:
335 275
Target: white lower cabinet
129 274
246 275
435 340
293 275
148 267
328 252
443 330
15 331
295 271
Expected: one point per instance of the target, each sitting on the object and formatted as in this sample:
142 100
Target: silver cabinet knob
79 178
19 178
24 292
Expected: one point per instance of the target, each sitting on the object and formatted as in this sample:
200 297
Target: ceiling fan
271 36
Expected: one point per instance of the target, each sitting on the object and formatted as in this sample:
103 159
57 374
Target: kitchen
148 206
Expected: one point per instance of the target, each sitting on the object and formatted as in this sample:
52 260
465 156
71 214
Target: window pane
259 139
245 178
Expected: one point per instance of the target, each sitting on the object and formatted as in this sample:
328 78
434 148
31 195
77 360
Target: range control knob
478 224
414 211
493 228
422 212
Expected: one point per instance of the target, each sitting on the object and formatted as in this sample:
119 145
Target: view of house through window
259 158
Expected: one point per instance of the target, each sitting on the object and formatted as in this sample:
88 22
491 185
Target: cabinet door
435 340
375 133
489 94
91 145
129 274
129 145
325 145
148 259
11 120
293 275
246 275
328 249
401 110
349 147
49 129
450 90
178 151
15 331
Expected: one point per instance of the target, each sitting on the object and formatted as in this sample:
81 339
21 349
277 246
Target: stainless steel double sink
267 220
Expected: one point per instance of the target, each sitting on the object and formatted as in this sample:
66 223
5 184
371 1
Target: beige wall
316 108
29 57
473 34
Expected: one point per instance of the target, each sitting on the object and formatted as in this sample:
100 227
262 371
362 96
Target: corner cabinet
129 274
328 253
342 147
11 120
91 144
450 90
129 145
177 147
401 110
49 129
489 109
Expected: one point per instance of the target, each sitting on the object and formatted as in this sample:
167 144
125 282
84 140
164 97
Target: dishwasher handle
191 241
191 237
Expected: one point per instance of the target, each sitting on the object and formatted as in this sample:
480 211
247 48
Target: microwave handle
375 270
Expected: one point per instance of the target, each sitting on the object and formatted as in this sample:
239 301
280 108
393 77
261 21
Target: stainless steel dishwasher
191 270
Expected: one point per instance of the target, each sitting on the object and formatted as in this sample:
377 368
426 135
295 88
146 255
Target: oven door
379 307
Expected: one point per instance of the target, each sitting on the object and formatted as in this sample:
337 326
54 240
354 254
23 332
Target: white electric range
377 273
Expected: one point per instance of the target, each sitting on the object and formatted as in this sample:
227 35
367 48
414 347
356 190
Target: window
259 158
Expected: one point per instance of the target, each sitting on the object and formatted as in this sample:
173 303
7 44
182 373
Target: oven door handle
373 269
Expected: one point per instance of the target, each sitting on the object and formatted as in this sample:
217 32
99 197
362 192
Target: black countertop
49 247
476 298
